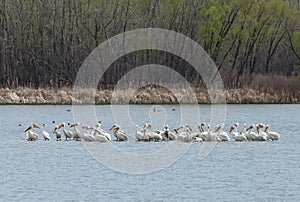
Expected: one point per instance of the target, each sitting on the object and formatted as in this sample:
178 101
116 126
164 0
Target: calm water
234 171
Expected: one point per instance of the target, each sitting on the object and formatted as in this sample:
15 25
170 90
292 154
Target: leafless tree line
44 42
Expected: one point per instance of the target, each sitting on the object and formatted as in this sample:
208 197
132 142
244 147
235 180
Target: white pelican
246 133
208 137
197 134
139 134
46 135
76 133
162 134
212 136
262 136
57 133
178 133
184 136
99 137
222 135
237 136
201 134
167 135
147 134
30 134
120 135
102 132
188 133
155 136
251 136
271 135
88 135
68 134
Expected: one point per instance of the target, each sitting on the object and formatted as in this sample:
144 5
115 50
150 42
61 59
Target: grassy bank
148 95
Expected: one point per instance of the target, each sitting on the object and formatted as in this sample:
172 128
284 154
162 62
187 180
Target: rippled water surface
233 171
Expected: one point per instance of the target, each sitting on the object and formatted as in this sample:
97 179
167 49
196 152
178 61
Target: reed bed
148 95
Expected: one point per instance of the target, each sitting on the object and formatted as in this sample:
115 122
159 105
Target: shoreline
65 96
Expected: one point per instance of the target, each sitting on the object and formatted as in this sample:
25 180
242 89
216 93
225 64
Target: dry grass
262 89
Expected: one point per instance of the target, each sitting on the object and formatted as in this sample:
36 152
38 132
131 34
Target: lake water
233 171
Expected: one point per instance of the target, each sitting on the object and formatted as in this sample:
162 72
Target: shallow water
233 171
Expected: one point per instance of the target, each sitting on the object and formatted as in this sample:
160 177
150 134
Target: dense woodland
44 42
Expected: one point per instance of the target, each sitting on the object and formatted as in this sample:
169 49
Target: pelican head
267 128
147 126
176 130
218 127
98 125
29 128
232 128
201 127
113 127
62 125
188 127
55 129
35 126
250 128
259 126
32 126
73 125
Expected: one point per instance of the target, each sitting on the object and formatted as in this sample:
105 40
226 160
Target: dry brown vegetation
278 89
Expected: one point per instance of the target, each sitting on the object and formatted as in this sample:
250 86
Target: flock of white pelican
183 133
